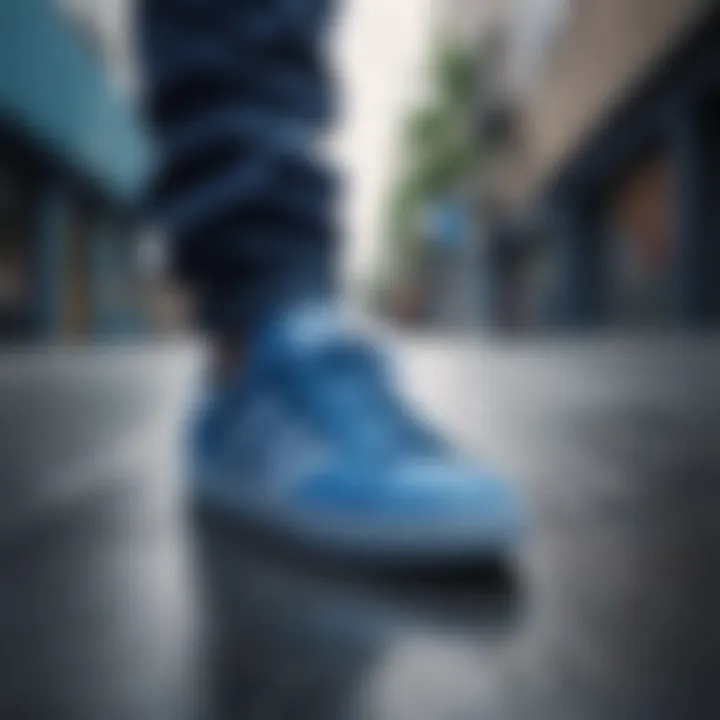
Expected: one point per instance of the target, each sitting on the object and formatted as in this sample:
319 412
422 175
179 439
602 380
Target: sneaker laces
344 386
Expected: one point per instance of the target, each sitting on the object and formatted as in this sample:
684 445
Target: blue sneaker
311 442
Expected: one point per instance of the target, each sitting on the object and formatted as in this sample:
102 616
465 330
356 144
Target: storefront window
16 297
642 244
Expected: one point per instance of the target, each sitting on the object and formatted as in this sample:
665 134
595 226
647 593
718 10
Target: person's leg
236 92
307 436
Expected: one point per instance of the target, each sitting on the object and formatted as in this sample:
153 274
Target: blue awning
54 86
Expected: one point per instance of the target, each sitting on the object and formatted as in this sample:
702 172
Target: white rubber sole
493 540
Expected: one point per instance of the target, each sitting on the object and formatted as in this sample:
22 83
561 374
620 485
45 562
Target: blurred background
559 171
533 222
74 160
522 165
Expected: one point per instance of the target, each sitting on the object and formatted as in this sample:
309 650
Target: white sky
379 52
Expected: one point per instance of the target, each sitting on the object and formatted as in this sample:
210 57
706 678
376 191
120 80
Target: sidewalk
113 605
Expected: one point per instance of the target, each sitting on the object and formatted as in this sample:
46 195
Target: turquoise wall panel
53 84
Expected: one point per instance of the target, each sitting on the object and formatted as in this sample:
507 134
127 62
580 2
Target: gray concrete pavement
116 603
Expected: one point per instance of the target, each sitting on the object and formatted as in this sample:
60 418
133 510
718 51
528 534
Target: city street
118 603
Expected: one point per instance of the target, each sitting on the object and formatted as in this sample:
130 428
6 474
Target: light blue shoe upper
313 427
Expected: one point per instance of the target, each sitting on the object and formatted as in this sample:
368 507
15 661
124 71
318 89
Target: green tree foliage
439 150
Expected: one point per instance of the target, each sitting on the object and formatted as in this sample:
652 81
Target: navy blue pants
236 93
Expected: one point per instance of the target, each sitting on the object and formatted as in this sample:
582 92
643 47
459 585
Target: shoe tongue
306 330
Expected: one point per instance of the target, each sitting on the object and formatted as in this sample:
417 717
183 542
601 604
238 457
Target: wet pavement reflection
118 601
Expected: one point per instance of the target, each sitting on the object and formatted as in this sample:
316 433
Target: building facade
606 160
73 163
